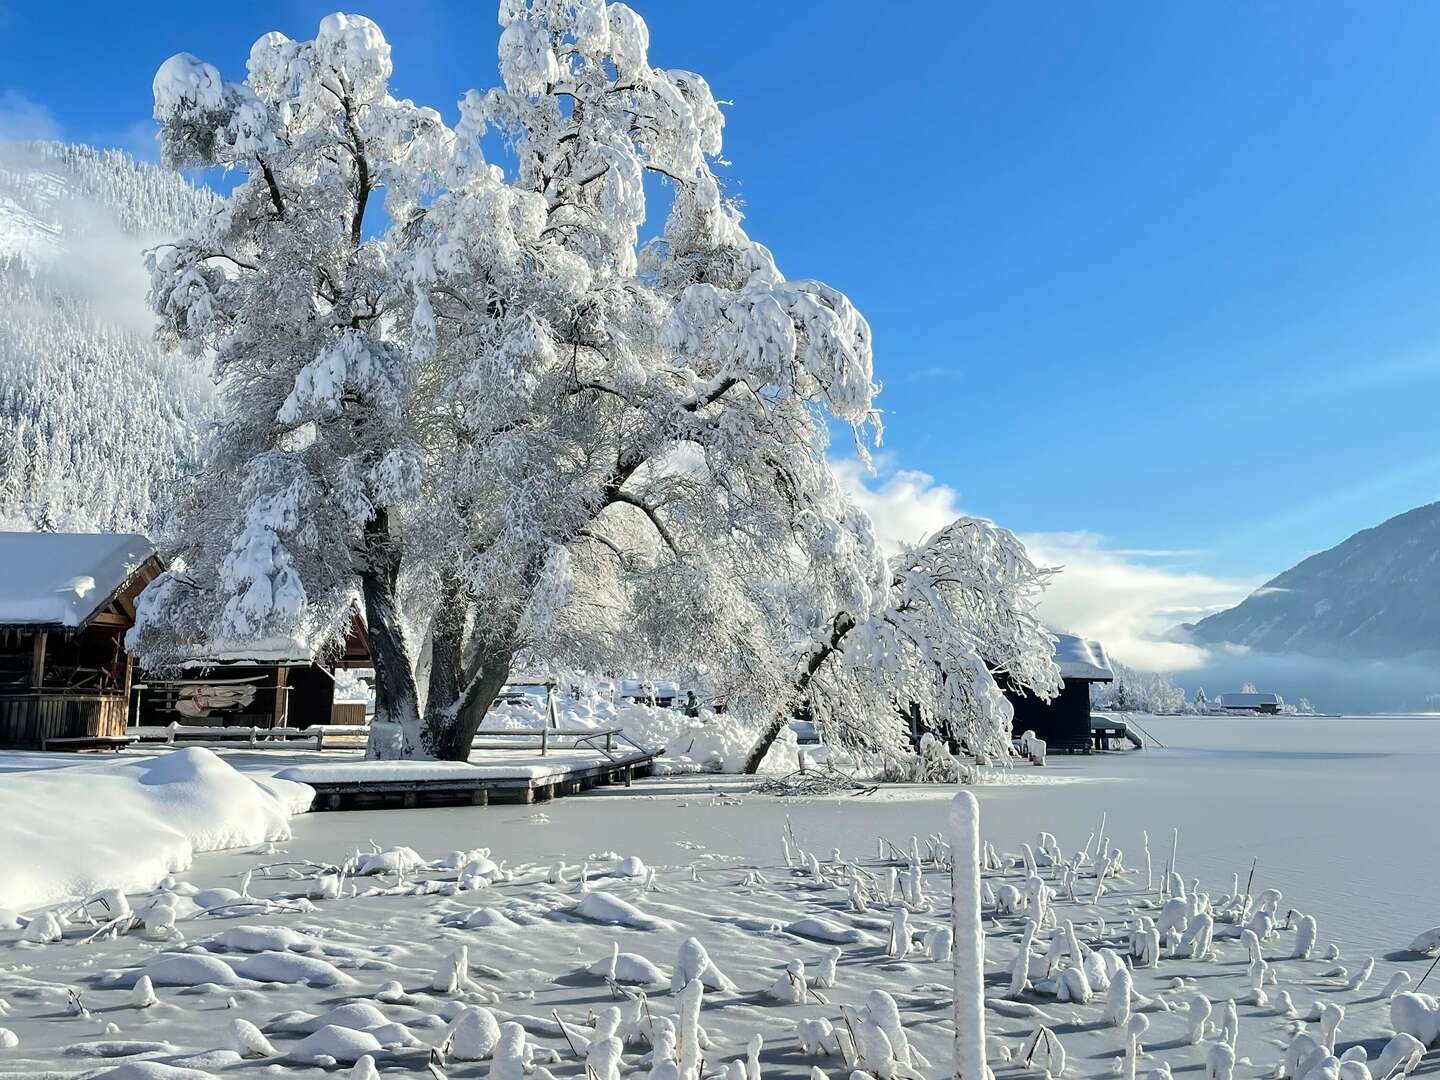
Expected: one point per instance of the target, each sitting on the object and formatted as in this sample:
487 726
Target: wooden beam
282 697
37 661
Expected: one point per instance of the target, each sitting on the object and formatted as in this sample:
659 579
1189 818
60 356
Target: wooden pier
499 771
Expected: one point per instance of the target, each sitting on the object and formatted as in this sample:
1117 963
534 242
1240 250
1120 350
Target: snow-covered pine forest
99 424
530 418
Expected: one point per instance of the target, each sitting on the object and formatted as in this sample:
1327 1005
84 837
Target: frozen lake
1339 812
1346 800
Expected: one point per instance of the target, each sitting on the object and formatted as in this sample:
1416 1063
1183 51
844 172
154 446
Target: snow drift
69 831
712 742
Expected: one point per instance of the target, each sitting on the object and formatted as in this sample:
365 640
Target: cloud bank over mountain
1132 599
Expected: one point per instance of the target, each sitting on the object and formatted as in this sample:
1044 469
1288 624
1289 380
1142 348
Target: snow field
85 825
840 960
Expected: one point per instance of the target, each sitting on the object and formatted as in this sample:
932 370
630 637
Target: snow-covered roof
645 688
282 651
64 579
1250 701
264 652
1078 658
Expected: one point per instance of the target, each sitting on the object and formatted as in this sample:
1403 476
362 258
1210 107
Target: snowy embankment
711 742
68 830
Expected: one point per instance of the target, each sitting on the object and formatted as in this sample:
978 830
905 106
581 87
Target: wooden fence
28 721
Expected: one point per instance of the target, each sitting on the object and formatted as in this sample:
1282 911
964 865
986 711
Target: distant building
1270 704
664 693
66 602
1064 721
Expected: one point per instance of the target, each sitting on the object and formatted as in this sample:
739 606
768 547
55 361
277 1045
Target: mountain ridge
1374 595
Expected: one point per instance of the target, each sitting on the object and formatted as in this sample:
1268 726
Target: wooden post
281 716
37 661
969 959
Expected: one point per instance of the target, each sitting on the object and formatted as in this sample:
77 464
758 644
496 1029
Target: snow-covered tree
958 612
1140 691
513 425
1202 703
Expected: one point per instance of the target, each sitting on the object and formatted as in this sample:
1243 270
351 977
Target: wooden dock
499 771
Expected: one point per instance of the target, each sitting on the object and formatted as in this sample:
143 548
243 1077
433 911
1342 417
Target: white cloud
21 118
1126 601
906 505
1127 598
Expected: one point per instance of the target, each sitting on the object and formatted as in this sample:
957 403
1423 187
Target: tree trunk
767 739
450 729
842 624
447 639
395 729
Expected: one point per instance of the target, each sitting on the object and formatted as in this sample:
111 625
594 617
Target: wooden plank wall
27 720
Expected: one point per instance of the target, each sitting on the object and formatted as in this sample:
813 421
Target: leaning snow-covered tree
959 612
512 425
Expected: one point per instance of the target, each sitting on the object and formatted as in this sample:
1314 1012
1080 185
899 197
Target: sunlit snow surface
1340 814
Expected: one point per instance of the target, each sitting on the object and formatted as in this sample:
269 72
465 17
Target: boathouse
1269 704
66 602
1064 721
260 685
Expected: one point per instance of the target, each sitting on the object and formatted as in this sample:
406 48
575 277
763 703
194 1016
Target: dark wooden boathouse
1064 721
66 602
256 686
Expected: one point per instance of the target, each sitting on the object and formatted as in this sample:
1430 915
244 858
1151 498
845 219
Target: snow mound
58 824
345 1045
629 967
152 1070
285 967
400 860
254 939
609 910
175 969
482 918
357 1015
827 931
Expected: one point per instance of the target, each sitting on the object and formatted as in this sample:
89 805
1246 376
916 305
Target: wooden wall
27 720
1063 722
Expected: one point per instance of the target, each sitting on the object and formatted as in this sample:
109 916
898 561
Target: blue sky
1159 277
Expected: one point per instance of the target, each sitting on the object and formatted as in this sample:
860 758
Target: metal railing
580 739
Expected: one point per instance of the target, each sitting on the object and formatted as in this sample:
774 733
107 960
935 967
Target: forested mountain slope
97 423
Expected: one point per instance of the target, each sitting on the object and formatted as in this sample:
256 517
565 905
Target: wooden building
1249 702
1064 721
257 686
66 602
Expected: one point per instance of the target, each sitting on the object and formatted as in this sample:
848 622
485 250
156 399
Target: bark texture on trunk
447 641
450 728
396 725
842 624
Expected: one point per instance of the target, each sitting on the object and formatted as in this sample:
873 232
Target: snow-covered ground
1339 813
72 825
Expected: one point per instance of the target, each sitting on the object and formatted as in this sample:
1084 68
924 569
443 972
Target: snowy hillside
1372 596
96 422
